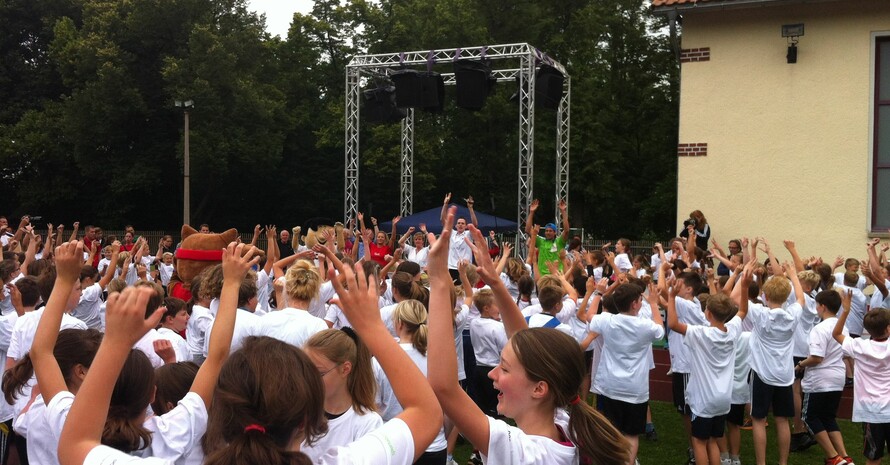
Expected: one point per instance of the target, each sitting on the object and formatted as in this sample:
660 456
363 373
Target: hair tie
254 427
575 400
350 332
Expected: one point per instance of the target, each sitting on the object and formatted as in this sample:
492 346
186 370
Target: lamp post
186 197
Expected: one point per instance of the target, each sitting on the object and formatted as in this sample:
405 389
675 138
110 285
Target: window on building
880 205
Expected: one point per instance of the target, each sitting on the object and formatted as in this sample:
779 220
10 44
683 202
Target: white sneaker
726 461
736 462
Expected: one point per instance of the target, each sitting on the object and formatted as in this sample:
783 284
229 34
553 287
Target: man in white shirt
459 249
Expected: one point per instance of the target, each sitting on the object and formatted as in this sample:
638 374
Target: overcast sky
279 13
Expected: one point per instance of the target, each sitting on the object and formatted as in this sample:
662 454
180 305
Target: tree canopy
89 131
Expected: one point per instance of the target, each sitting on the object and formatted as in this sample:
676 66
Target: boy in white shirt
552 306
871 388
772 363
709 392
489 338
823 380
623 372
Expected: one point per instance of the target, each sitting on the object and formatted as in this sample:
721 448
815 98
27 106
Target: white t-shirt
741 391
7 322
199 322
89 307
336 317
871 379
165 271
511 285
709 392
857 310
394 408
461 322
623 372
839 280
538 320
828 376
417 256
689 312
771 354
42 424
146 345
176 435
245 326
391 444
459 249
317 306
807 321
103 265
386 315
289 325
622 262
179 345
348 427
489 338
510 445
263 290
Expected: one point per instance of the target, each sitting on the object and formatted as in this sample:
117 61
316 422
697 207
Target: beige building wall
788 145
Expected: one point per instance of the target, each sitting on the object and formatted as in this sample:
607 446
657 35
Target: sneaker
736 462
747 425
802 441
849 460
451 462
475 459
652 435
836 460
725 461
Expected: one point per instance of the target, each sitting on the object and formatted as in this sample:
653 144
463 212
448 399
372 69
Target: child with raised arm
823 380
712 360
623 373
871 385
538 380
772 363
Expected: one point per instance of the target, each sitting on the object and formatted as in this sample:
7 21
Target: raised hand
125 320
534 206
164 349
69 260
396 219
447 198
237 260
484 265
469 201
563 205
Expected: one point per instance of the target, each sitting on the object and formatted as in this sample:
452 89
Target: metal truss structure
528 59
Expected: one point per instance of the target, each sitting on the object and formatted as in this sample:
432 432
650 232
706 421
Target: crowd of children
333 356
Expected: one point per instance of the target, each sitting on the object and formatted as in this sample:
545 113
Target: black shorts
736 414
798 374
708 428
629 418
876 436
588 361
819 411
764 396
678 387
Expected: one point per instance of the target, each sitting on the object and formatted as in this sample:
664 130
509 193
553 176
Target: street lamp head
185 104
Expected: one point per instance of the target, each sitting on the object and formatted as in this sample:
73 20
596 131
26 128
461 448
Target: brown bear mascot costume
196 252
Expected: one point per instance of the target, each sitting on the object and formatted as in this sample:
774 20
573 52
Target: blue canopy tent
433 224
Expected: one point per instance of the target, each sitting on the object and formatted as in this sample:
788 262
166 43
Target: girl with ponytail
123 377
344 364
539 381
261 411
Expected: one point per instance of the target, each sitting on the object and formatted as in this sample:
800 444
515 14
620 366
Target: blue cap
551 226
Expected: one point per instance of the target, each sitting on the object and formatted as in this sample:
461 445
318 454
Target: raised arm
405 236
272 252
506 252
838 332
875 267
74 229
393 233
510 314
652 298
442 362
564 213
257 230
473 219
553 268
422 412
769 253
444 209
125 325
237 260
69 261
109 271
798 290
530 219
795 257
747 276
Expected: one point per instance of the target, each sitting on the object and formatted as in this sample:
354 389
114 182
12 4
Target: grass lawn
671 445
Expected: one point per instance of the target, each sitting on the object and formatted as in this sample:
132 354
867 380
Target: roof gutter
725 5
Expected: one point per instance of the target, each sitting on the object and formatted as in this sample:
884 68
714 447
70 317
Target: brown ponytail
73 347
554 357
132 392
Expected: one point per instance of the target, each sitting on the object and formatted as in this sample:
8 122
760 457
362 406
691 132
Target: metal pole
186 200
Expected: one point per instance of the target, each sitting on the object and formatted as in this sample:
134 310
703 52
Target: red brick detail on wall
688 55
692 150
